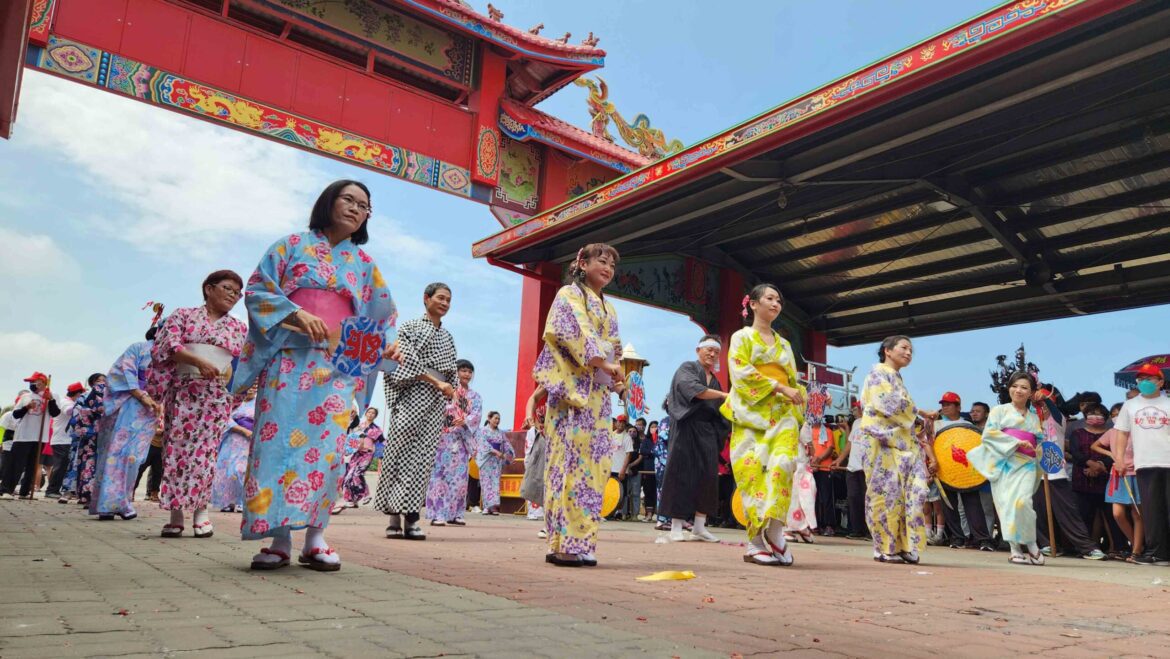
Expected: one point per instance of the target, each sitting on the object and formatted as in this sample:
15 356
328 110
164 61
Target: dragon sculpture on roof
646 140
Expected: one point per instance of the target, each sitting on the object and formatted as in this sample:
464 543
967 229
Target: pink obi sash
329 306
1023 436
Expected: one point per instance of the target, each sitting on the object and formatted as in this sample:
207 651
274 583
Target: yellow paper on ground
668 575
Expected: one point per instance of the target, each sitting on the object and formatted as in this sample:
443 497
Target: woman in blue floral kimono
83 428
447 492
231 465
494 452
130 420
303 288
661 451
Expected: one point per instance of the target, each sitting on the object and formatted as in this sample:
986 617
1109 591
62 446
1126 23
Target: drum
950 447
611 497
737 510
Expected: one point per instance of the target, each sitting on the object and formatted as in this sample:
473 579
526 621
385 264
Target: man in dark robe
691 481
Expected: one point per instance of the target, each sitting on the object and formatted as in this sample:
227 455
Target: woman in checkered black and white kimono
416 400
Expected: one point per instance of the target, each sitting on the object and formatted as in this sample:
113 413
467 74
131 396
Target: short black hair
1096 407
215 278
978 403
435 287
321 217
463 363
151 332
93 378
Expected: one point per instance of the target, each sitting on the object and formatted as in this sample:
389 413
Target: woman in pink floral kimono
192 358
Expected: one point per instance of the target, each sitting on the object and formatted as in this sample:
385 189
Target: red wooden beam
14 21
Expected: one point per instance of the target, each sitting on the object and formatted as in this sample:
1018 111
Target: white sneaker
542 534
679 537
6 497
703 536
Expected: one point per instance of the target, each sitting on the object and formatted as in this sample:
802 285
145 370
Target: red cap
74 388
37 375
1149 369
856 403
950 397
622 417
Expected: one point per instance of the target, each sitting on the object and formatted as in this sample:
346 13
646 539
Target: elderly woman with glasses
192 358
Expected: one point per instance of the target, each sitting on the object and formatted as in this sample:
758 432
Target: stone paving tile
116 589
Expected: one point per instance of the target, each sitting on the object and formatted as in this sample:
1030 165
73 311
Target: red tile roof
560 133
516 34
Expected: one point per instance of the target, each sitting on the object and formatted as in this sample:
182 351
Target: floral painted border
992 25
146 83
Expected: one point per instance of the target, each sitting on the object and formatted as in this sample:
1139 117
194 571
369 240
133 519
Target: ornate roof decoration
650 142
521 122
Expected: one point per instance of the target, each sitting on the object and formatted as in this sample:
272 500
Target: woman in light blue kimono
303 288
129 421
493 453
447 492
231 464
1007 457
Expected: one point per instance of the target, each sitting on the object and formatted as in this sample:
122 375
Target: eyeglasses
233 292
350 201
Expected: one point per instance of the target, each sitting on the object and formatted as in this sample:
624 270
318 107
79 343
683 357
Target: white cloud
182 182
23 255
66 361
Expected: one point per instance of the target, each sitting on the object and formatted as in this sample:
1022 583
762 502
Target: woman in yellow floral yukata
764 408
578 368
899 467
1007 457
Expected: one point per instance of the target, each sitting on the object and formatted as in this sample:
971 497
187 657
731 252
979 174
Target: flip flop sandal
783 558
457 522
313 563
414 532
758 556
337 510
1019 560
394 532
170 530
908 558
885 558
564 562
806 537
265 565
197 529
1035 559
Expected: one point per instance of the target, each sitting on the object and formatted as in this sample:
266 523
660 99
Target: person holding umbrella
1145 421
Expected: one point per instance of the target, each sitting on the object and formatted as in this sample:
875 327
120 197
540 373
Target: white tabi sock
676 526
281 543
775 533
700 525
315 539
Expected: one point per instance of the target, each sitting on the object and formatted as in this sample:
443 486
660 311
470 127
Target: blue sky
106 203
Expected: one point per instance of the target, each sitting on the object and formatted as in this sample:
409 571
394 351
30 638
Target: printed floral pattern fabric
197 409
895 472
302 407
354 487
492 466
447 492
580 326
231 465
802 510
83 428
124 434
765 427
661 451
1014 477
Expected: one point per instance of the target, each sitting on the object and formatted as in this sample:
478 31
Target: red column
816 346
485 103
537 298
730 320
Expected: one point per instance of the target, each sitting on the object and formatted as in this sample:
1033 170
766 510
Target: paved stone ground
77 587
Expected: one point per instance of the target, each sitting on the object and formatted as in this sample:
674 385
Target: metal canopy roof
1032 182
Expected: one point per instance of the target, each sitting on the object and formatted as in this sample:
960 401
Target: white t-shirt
623 446
1147 420
27 426
859 446
8 422
59 436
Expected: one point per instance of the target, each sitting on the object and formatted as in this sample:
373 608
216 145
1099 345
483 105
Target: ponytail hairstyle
586 254
888 343
755 295
488 420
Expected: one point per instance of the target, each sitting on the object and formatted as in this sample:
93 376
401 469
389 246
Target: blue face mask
1148 387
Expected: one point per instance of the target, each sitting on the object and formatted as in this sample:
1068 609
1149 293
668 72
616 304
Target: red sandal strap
328 551
274 552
